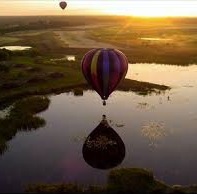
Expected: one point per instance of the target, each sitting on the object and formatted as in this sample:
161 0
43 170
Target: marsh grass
78 91
141 88
154 132
123 180
22 118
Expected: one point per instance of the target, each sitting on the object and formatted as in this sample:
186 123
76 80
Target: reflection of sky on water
171 75
70 57
16 48
66 58
156 39
54 153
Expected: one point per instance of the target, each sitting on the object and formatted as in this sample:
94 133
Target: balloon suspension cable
103 117
104 103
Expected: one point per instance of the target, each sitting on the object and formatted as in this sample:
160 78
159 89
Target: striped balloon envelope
104 69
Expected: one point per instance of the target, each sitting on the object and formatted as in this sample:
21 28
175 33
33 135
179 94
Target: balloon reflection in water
103 148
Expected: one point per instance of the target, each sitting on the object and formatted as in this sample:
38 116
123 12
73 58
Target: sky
148 8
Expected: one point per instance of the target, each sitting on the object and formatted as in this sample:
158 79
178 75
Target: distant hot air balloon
63 4
104 69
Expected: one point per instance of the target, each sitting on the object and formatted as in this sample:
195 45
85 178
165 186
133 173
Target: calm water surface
155 39
16 48
159 133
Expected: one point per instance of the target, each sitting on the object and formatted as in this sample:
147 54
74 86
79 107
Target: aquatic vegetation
63 188
142 88
144 106
78 91
119 125
133 180
4 54
3 146
154 131
123 180
22 117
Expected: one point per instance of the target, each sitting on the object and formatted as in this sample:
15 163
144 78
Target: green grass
4 40
124 32
180 50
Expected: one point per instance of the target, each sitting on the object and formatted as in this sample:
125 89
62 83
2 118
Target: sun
147 8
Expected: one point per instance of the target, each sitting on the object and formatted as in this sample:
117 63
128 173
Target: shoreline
139 87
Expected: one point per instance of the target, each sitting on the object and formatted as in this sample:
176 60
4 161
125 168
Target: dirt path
77 38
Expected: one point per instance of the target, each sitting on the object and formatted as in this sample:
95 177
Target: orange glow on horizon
144 8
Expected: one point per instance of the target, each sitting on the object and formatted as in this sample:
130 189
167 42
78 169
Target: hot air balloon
104 69
103 148
63 4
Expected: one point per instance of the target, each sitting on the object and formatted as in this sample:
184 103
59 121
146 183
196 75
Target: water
70 57
156 39
159 133
16 48
66 58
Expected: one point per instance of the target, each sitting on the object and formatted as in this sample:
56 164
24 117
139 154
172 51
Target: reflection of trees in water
154 131
22 118
103 148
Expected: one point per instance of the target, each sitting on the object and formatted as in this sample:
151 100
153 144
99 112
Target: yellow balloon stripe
94 63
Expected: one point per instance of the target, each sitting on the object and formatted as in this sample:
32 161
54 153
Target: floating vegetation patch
119 125
144 106
142 88
154 131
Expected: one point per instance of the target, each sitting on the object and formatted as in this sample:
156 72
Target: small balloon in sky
104 69
63 4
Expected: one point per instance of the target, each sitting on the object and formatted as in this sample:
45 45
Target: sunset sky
89 7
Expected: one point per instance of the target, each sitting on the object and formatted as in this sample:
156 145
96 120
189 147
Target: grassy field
171 40
152 40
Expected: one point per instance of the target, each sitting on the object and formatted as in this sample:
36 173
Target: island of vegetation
21 116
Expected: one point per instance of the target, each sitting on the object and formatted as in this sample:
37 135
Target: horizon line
99 15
